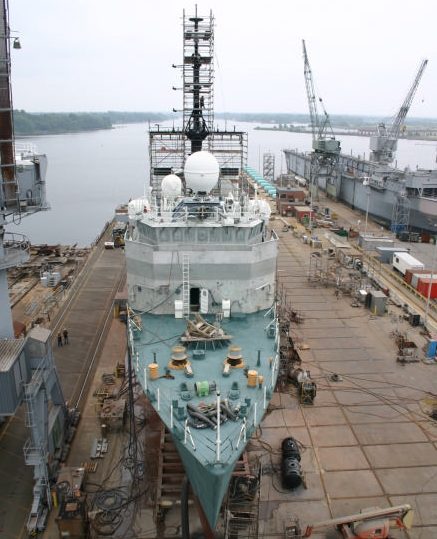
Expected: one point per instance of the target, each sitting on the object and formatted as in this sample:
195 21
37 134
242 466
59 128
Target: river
90 173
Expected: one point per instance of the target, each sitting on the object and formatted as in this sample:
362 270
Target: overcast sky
99 55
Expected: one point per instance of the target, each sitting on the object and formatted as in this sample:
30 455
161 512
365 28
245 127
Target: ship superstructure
201 273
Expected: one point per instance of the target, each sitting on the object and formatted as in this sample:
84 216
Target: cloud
91 55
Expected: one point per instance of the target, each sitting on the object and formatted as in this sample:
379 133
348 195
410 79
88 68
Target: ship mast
197 74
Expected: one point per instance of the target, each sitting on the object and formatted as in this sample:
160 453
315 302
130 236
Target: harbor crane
326 149
384 143
383 146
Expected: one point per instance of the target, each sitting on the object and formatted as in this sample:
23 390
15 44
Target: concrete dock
87 312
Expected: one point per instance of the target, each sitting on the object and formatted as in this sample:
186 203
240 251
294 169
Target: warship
203 333
398 199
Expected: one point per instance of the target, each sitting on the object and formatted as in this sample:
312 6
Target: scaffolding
323 267
400 220
346 273
269 167
241 517
169 148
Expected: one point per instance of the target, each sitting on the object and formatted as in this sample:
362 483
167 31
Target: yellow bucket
153 371
251 378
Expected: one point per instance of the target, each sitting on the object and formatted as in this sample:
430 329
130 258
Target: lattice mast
198 76
169 148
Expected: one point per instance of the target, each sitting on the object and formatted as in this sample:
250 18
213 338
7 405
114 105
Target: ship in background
203 336
399 199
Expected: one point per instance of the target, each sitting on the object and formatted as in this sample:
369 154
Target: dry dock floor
367 440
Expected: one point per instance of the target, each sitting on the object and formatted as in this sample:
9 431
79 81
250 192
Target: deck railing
14 251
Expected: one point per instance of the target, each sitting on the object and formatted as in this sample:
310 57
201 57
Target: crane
326 149
384 144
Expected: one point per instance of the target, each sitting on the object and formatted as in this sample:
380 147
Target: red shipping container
423 287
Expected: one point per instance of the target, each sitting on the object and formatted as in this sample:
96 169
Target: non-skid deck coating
209 452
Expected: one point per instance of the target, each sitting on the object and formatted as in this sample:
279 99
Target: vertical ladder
186 283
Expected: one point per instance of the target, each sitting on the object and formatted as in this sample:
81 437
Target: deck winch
234 357
203 389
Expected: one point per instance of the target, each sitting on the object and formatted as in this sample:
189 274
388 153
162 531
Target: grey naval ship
201 273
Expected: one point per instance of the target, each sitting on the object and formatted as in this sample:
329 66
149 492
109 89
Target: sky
100 55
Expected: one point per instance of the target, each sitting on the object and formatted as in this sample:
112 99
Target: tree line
52 123
49 123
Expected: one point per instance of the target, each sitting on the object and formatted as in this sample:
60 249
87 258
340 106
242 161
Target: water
90 173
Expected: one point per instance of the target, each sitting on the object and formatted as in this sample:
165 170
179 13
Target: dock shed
386 253
287 198
302 212
376 301
370 243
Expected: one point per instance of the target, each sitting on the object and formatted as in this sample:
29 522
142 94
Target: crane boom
319 125
405 107
326 150
384 144
311 94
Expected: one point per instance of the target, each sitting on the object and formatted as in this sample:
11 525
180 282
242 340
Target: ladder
186 284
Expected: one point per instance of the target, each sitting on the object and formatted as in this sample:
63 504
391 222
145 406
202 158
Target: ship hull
209 452
381 197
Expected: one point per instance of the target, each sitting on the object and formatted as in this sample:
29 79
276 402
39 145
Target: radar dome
137 206
201 172
171 187
262 206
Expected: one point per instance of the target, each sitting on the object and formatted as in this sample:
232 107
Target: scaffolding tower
269 167
170 147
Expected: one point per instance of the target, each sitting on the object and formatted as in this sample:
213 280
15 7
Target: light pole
366 184
428 299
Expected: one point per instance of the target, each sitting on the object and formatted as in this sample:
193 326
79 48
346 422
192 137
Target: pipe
185 521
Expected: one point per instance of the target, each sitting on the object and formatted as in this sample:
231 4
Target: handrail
16 249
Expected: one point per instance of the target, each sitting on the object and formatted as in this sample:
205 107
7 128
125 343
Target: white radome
137 206
201 172
171 187
262 206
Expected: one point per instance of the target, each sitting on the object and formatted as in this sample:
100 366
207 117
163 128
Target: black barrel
290 448
291 474
290 466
